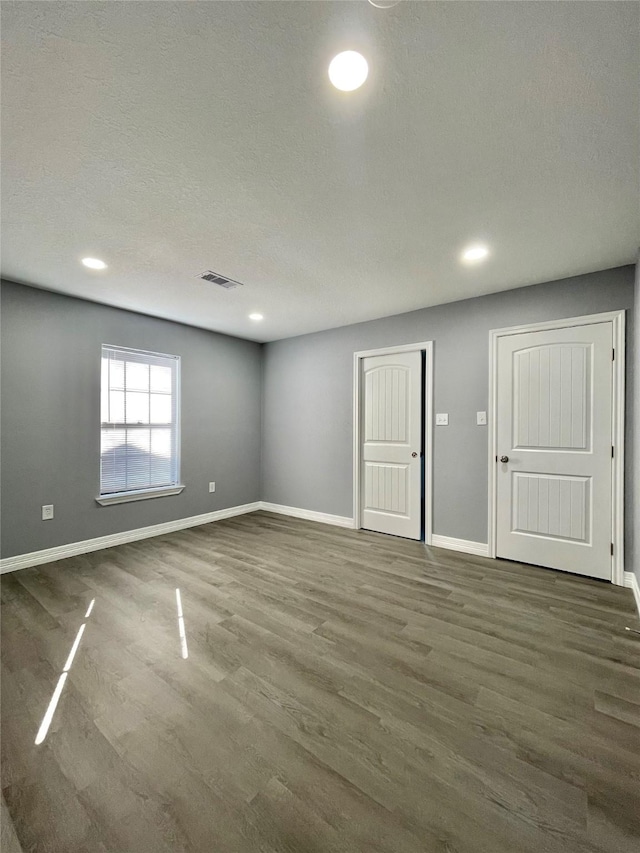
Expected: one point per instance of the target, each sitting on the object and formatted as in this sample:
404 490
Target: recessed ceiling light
348 70
256 317
473 254
94 264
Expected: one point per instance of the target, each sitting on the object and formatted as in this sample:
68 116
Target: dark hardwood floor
335 691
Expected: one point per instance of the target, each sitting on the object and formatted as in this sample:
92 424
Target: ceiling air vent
220 280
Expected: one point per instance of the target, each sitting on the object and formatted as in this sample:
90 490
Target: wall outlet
442 420
481 418
47 512
212 487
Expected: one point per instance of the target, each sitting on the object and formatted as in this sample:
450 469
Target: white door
391 469
554 431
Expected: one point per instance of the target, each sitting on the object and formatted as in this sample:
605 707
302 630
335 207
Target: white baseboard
73 549
49 555
631 581
480 549
308 514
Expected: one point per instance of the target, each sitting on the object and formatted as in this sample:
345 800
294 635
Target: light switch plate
47 512
481 418
212 487
442 419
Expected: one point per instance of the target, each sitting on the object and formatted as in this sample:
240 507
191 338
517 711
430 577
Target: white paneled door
391 464
554 443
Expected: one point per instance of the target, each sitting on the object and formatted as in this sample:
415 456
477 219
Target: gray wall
307 394
632 559
51 418
50 388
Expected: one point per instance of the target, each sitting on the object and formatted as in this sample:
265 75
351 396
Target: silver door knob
504 458
414 454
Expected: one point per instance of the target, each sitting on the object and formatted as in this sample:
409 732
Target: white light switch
481 418
47 512
212 487
442 419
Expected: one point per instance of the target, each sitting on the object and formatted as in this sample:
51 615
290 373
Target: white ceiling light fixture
94 264
256 317
474 254
348 70
384 4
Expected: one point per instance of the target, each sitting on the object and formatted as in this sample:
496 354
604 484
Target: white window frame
154 492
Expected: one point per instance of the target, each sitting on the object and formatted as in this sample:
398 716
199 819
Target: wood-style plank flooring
343 691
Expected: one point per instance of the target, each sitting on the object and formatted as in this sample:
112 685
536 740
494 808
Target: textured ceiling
168 138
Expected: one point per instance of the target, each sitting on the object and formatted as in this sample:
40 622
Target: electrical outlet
47 512
212 487
481 418
442 420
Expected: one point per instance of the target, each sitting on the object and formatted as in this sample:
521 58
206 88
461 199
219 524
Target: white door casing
391 464
554 424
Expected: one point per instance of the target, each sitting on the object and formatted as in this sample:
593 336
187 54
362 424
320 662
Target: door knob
414 454
504 458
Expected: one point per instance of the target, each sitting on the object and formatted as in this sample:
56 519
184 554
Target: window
139 455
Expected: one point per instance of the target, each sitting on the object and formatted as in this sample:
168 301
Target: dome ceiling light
94 264
348 70
474 254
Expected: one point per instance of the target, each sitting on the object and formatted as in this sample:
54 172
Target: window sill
141 495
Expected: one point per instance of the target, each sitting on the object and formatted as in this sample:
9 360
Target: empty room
320 427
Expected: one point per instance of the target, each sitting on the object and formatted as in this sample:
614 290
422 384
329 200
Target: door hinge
613 355
612 451
612 549
496 458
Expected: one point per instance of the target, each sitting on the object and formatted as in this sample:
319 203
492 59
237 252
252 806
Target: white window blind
139 415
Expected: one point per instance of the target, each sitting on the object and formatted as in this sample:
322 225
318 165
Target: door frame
427 436
617 319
